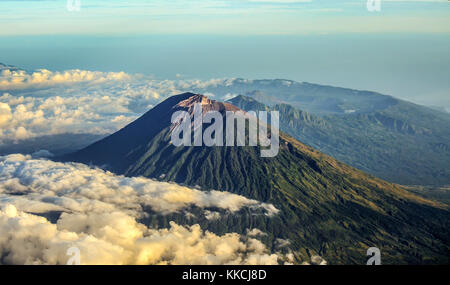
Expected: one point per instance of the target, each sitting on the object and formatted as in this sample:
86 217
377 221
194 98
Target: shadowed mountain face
404 143
325 207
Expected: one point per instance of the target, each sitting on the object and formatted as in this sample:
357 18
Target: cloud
19 79
281 243
116 238
5 113
98 212
255 232
79 101
47 103
317 260
73 187
211 215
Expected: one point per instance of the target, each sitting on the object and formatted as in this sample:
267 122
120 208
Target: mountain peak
188 100
194 99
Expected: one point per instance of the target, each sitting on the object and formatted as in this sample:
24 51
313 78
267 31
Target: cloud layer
77 101
98 212
116 238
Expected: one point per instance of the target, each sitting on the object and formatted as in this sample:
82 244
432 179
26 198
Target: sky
401 50
261 17
232 17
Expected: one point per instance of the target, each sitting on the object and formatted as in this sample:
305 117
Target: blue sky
235 17
403 50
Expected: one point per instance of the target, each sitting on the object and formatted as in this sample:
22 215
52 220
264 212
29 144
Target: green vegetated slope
325 207
403 143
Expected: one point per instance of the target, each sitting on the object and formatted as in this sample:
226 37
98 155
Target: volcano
325 207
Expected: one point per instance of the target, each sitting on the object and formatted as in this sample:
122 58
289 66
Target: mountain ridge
325 207
389 143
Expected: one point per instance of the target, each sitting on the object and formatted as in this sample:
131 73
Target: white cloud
20 79
76 187
116 238
74 101
211 215
255 232
78 101
318 260
100 213
5 113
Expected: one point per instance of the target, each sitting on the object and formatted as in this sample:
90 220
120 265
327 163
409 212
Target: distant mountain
404 143
313 98
325 207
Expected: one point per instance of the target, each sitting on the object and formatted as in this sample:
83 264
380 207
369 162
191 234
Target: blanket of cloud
99 212
43 102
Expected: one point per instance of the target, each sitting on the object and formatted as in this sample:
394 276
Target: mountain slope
325 207
404 143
